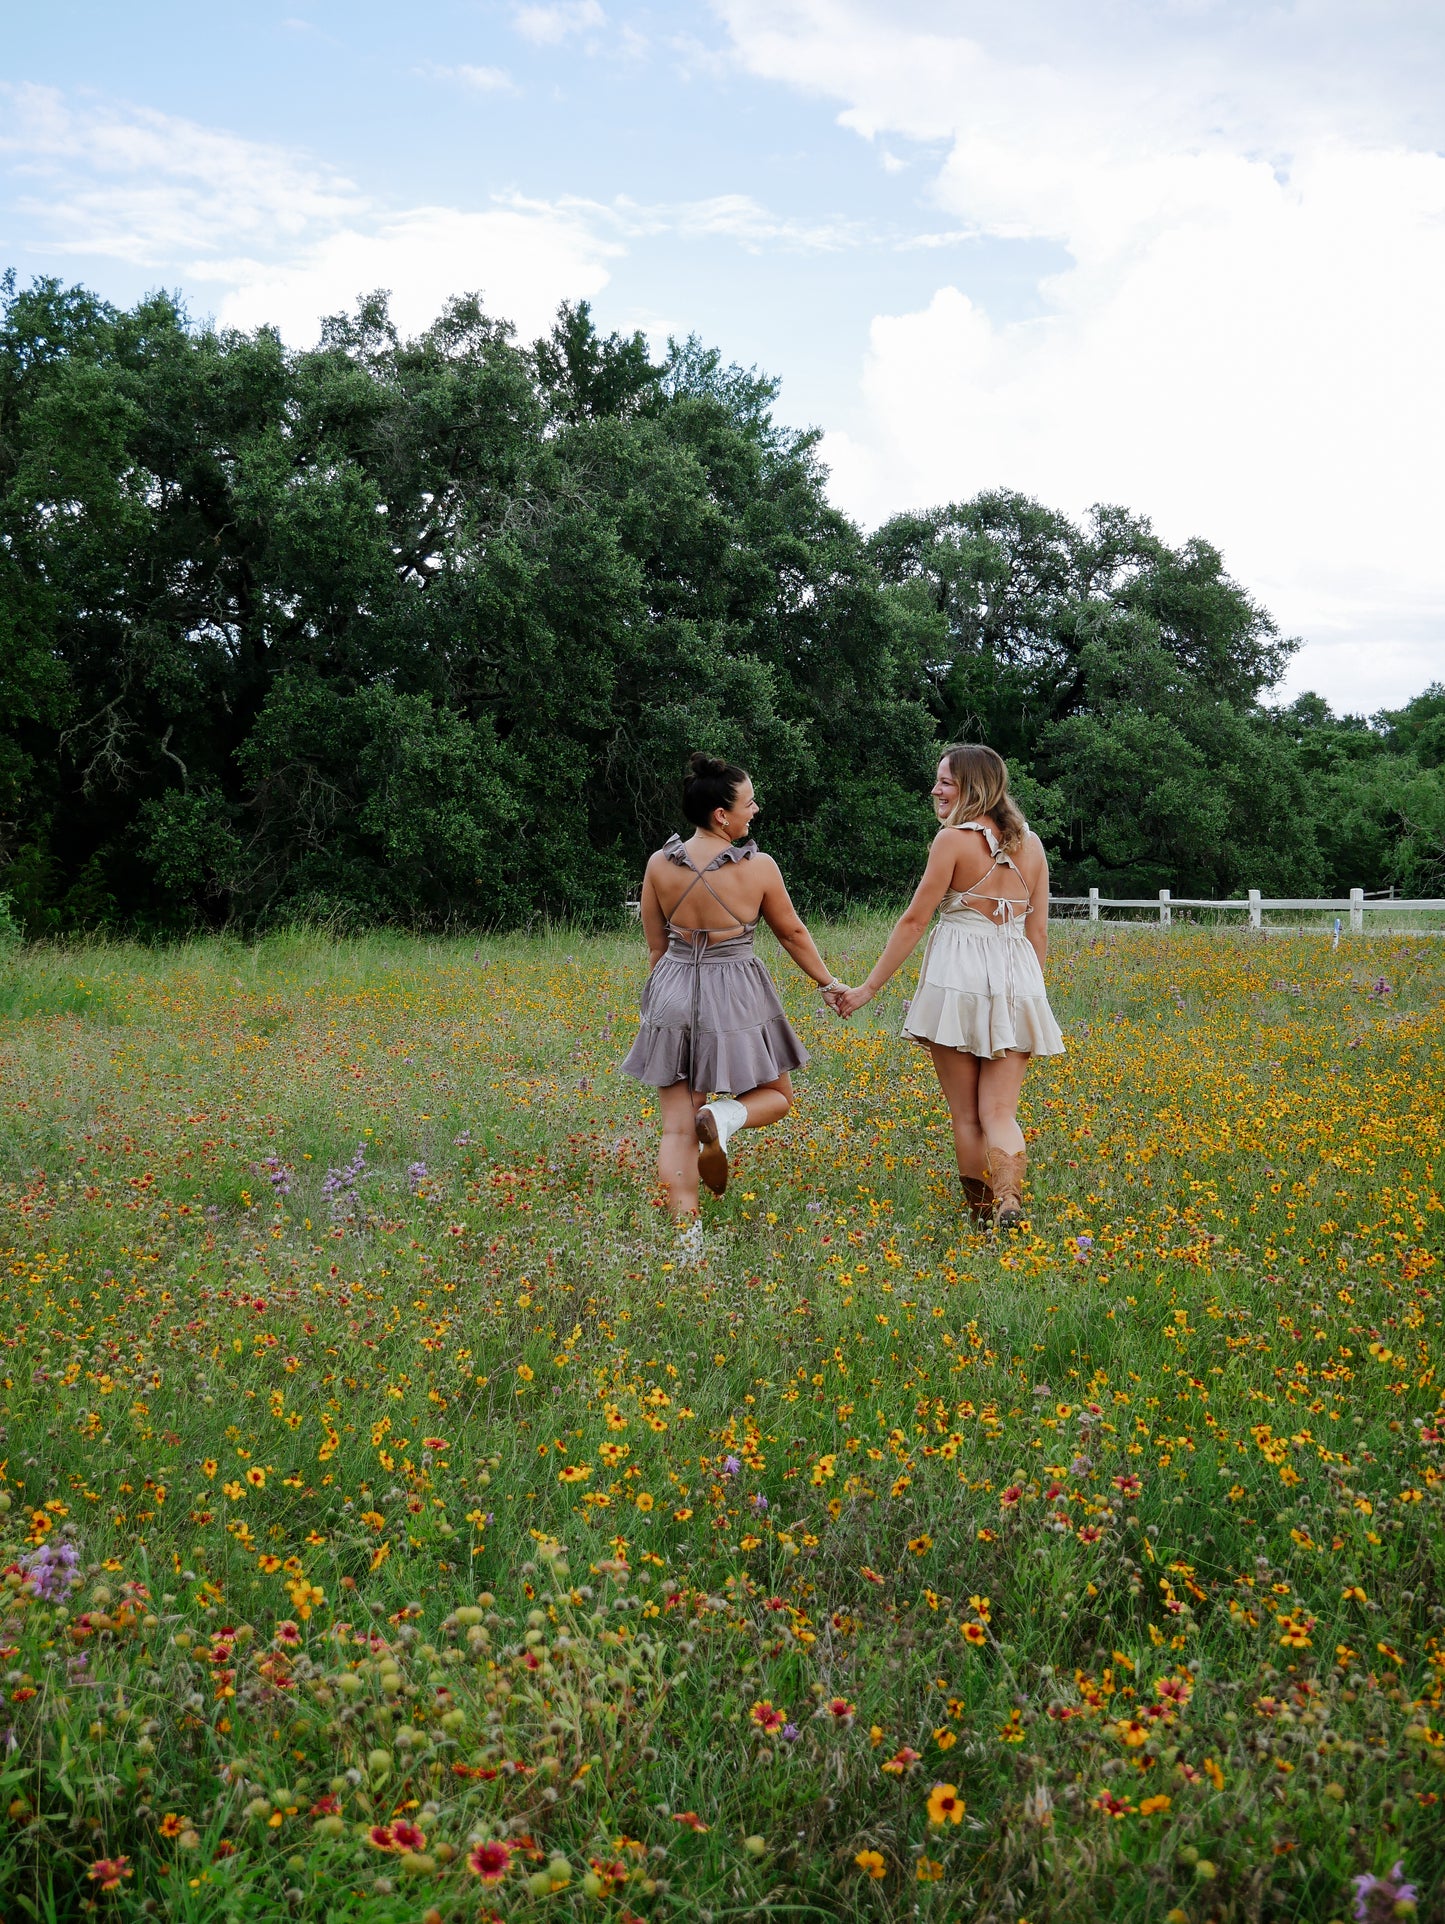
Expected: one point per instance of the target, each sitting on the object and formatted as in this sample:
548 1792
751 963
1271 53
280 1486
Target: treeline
422 631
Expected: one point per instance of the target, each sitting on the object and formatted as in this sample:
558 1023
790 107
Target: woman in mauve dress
712 1023
980 1008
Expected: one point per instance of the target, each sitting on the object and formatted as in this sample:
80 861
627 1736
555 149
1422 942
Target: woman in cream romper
980 1008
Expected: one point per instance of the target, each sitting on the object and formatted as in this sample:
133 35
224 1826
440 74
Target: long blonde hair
982 777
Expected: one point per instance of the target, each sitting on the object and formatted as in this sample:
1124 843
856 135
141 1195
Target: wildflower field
392 1532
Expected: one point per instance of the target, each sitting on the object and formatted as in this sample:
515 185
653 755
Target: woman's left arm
909 929
1037 926
791 930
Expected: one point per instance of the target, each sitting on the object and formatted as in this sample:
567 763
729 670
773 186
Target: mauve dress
710 1014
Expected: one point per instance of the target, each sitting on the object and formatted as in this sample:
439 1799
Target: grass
428 1523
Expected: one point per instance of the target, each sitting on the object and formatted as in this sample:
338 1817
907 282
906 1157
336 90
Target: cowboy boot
1007 1171
979 1197
717 1122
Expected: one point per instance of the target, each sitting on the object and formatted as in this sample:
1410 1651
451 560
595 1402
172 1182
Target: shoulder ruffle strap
739 852
673 849
986 832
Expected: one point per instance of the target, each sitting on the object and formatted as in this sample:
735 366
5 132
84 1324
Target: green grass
1229 1291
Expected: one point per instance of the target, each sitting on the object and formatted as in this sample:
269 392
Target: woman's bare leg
677 1152
999 1081
769 1102
958 1077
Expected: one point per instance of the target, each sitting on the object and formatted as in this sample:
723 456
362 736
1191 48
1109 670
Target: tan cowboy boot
979 1198
1007 1171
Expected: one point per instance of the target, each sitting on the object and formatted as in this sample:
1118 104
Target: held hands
843 1001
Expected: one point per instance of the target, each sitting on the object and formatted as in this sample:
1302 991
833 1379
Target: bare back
986 878
732 894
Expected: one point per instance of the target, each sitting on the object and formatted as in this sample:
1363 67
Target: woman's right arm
654 922
908 930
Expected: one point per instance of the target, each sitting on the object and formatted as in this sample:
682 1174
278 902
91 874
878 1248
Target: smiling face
734 822
944 791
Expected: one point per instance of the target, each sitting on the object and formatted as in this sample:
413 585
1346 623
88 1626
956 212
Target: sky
1184 255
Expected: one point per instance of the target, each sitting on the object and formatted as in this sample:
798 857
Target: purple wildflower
1080 1466
1377 1897
415 1176
788 1734
1380 986
278 1175
339 1185
760 1504
731 1466
52 1571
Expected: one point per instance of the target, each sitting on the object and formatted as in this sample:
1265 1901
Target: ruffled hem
983 1025
733 1062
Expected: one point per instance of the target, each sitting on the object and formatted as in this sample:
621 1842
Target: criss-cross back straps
1006 906
675 852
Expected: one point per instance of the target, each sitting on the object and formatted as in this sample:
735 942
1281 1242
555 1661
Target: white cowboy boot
717 1121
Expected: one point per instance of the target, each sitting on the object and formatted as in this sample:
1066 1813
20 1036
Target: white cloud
1245 342
736 217
274 235
482 80
523 262
131 184
548 26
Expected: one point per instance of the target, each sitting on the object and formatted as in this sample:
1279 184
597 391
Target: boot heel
712 1158
980 1199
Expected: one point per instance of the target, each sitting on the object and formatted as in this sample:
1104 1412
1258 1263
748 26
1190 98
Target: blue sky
1187 254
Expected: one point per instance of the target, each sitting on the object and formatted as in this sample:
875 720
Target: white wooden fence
1253 906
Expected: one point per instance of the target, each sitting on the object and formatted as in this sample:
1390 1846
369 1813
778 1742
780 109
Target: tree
423 631
1118 675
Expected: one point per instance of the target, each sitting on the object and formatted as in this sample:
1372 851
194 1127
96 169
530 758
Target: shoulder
1031 853
763 865
952 839
672 851
948 830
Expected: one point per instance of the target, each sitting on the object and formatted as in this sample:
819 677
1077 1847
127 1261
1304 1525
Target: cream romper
980 988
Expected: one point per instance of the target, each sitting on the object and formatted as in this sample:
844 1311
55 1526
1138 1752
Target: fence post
1093 905
1357 911
1164 914
1254 913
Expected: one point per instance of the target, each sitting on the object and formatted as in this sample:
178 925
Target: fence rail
1253 905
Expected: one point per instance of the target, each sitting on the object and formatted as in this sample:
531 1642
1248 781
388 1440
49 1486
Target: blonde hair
982 777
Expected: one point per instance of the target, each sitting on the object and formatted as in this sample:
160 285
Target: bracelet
836 983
